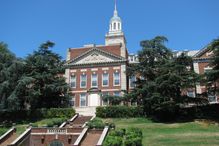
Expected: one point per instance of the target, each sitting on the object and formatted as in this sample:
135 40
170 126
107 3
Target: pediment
95 56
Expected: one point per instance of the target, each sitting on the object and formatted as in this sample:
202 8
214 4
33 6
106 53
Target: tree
11 70
45 85
213 75
162 78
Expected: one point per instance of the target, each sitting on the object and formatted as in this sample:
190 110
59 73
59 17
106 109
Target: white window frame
114 78
85 99
75 80
93 79
130 81
114 93
85 80
107 79
73 100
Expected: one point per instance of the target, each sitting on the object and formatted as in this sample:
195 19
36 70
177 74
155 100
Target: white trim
196 67
83 70
73 71
107 79
103 136
106 68
21 136
110 90
79 139
37 134
116 68
8 132
94 69
80 91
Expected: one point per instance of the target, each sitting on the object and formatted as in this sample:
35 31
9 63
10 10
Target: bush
36 114
113 141
124 137
96 123
119 112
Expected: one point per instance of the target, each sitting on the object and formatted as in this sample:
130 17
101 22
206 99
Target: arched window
119 26
114 27
56 143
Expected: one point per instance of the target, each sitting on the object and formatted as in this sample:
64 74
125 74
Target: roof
113 49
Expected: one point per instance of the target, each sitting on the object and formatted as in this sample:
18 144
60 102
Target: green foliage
36 114
124 137
113 141
113 100
119 111
33 82
96 123
213 75
162 78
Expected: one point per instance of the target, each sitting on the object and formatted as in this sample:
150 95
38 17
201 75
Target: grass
181 134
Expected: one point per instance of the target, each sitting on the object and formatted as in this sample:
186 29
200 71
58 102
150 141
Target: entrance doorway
94 99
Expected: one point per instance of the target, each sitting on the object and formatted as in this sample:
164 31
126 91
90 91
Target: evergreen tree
213 75
11 70
45 85
162 77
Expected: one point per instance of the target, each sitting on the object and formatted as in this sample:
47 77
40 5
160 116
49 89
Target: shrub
36 114
96 123
124 137
119 112
113 141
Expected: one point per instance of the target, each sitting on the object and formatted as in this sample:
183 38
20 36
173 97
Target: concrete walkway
86 111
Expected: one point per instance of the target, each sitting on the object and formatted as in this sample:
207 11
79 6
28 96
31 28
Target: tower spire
115 10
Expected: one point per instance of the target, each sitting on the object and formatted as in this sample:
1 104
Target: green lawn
177 134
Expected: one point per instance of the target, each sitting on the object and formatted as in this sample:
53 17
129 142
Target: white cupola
115 25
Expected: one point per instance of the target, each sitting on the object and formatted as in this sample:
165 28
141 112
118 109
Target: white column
123 78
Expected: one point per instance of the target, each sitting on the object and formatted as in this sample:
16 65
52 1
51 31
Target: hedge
23 115
119 112
124 137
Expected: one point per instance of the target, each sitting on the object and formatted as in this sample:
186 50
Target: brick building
96 70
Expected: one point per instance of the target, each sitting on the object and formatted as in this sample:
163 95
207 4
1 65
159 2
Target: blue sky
25 24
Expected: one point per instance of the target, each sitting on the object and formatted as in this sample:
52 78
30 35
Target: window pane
83 99
132 81
73 81
94 80
105 79
116 78
117 93
83 81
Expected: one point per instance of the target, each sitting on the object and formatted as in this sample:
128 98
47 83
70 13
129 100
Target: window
103 101
117 93
132 80
116 77
72 101
105 79
73 81
114 27
83 99
118 26
94 80
83 81
190 94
